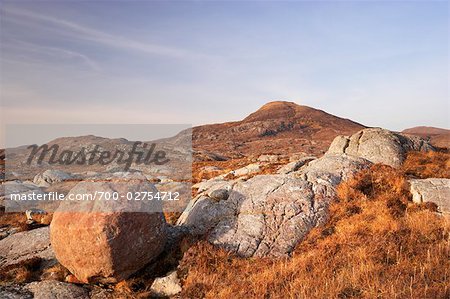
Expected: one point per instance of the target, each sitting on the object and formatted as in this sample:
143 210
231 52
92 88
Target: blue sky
379 63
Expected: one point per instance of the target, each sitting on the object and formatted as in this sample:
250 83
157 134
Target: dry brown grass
199 174
16 220
25 271
172 217
19 220
55 272
32 269
377 244
427 164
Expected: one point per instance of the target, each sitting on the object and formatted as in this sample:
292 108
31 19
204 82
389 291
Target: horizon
378 64
115 131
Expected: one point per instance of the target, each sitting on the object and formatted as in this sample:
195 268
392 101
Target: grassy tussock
25 271
427 164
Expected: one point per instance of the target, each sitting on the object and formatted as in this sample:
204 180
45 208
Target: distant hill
277 127
438 136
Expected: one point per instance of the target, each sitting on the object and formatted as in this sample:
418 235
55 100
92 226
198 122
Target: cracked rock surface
432 190
379 146
14 292
333 168
295 165
50 289
268 215
26 245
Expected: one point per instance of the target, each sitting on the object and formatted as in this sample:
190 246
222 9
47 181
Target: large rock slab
14 292
268 215
333 168
203 213
108 246
269 158
247 170
51 289
51 176
8 189
379 146
26 245
213 184
294 165
432 190
18 187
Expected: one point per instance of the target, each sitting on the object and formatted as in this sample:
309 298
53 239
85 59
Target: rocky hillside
277 128
438 136
372 209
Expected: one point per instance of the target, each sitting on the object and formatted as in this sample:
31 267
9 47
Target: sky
380 63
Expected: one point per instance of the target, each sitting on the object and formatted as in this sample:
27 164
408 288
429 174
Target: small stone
72 279
31 212
247 170
219 194
166 286
269 158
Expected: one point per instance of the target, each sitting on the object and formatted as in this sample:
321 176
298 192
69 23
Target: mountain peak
278 104
283 105
277 109
276 127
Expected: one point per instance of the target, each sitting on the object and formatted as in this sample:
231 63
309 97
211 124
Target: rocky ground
369 218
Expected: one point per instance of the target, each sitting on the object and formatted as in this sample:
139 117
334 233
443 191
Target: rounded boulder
105 243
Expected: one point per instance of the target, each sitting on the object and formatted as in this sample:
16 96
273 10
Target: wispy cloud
379 64
22 46
86 33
